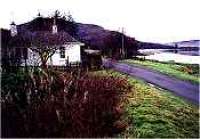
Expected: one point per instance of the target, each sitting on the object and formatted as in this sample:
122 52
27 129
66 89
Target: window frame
62 52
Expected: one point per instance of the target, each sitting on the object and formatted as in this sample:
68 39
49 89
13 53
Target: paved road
178 87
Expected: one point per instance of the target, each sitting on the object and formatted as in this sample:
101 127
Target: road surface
180 88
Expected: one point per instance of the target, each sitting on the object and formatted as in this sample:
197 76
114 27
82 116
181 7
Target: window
62 52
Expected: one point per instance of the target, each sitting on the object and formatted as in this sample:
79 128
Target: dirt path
178 87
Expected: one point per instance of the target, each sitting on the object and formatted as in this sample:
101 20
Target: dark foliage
45 24
114 44
61 105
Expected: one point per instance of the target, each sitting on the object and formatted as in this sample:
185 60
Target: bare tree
46 43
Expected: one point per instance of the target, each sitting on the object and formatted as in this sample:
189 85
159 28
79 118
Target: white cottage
65 54
68 49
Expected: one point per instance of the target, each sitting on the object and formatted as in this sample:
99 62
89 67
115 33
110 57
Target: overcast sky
146 20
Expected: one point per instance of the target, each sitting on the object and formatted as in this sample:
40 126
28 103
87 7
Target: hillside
148 45
93 34
182 44
96 35
190 43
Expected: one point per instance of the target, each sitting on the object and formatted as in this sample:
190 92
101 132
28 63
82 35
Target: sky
159 21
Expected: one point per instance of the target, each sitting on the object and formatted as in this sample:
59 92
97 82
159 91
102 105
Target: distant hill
181 44
93 34
190 43
148 45
96 35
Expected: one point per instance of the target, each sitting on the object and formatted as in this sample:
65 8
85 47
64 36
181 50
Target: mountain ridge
187 43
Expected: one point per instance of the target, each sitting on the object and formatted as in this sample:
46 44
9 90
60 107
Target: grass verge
181 71
151 112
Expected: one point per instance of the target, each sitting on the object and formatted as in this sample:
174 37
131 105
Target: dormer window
54 27
13 29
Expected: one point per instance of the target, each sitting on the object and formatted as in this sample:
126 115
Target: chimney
54 27
13 29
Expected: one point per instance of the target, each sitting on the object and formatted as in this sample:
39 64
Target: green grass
180 71
152 112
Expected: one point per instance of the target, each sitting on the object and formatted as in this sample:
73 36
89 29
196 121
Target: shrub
62 105
190 69
95 106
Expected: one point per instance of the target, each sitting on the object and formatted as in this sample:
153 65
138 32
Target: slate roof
42 38
39 32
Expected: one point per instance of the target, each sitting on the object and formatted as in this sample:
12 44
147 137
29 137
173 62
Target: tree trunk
44 64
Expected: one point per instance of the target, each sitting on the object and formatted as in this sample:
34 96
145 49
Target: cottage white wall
33 58
56 60
72 53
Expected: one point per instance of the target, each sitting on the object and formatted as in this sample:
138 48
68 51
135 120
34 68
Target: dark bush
63 105
94 107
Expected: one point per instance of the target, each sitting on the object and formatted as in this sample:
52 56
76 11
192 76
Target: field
186 72
152 112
